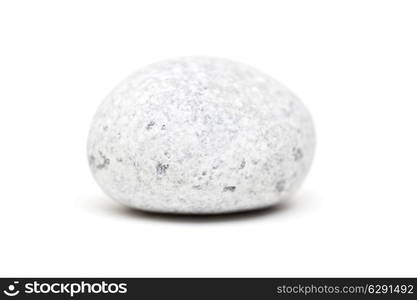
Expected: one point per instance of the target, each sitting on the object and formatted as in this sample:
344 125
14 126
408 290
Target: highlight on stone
200 135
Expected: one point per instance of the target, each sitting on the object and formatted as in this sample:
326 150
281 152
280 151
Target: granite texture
200 135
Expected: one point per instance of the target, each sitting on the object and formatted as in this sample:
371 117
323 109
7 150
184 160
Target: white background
353 63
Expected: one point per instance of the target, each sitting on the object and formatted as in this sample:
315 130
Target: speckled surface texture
200 135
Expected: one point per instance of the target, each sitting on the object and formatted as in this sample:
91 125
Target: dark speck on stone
280 186
297 154
150 125
229 189
161 168
242 164
197 187
163 127
105 163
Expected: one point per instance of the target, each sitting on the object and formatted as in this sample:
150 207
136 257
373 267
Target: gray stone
200 135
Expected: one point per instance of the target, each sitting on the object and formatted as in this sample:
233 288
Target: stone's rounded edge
266 201
311 141
200 212
139 204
